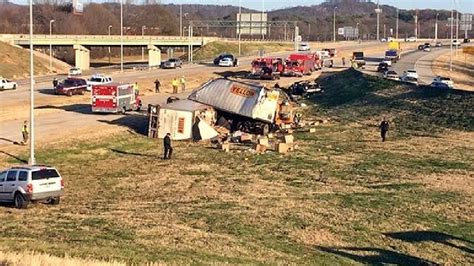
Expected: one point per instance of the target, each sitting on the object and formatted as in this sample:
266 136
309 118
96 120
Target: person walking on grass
384 129
25 133
175 84
168 150
343 61
157 86
183 84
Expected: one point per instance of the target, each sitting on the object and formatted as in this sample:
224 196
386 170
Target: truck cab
358 60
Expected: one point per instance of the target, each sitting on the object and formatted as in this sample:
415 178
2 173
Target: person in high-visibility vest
175 84
183 84
25 132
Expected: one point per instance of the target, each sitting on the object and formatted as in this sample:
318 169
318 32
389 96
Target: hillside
15 62
164 19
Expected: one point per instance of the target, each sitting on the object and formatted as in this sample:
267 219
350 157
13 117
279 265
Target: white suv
97 80
6 84
444 80
22 185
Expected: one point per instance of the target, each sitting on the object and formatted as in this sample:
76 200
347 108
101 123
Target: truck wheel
55 201
20 201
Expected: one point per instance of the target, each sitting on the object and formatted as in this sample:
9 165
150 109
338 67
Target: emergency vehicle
115 98
299 65
267 67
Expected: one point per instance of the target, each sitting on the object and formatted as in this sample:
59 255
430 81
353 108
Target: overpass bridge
82 44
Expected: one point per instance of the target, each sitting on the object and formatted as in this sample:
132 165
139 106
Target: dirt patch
463 69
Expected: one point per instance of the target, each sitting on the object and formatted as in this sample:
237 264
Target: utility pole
436 28
334 25
396 25
180 20
384 32
110 27
51 46
451 45
263 24
121 35
416 24
240 26
309 31
143 48
378 11
457 29
32 160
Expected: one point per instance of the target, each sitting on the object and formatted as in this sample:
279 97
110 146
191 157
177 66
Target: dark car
71 86
440 85
383 67
466 40
222 56
304 89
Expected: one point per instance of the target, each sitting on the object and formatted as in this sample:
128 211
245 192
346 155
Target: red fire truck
299 65
267 67
115 98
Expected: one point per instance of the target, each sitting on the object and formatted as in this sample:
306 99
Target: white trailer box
179 117
245 99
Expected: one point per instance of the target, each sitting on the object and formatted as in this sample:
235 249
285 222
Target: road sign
252 23
350 32
340 31
78 7
466 22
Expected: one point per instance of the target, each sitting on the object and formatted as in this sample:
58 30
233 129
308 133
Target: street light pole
50 46
457 29
396 30
110 27
358 38
180 20
240 21
262 25
121 35
143 49
334 25
436 28
451 45
32 159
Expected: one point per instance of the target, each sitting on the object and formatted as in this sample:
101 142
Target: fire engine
115 98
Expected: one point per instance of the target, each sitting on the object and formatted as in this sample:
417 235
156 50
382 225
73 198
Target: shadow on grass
233 74
131 153
432 236
378 256
14 157
11 141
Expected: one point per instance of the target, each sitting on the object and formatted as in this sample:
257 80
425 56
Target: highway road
75 120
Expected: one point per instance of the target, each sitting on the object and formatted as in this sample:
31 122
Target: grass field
211 50
343 197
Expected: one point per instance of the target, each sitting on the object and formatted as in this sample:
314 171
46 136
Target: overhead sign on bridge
252 23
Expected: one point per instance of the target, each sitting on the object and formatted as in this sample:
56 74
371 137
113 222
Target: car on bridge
172 63
6 84
98 79
71 86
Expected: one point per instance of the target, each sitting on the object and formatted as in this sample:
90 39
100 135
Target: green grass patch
213 49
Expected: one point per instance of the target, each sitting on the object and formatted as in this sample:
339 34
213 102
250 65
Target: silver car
172 63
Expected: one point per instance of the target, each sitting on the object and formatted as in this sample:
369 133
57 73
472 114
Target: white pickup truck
6 84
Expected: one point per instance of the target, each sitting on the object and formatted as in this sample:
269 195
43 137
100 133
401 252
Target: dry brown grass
32 259
463 69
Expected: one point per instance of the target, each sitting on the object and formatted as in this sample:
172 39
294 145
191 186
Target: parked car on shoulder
172 63
222 56
466 41
6 84
75 71
409 79
71 86
391 75
411 73
98 79
440 85
22 185
445 80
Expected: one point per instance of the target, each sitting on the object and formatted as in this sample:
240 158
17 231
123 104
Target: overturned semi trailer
247 106
183 119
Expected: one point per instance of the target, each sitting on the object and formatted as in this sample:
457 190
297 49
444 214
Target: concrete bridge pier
154 56
82 57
